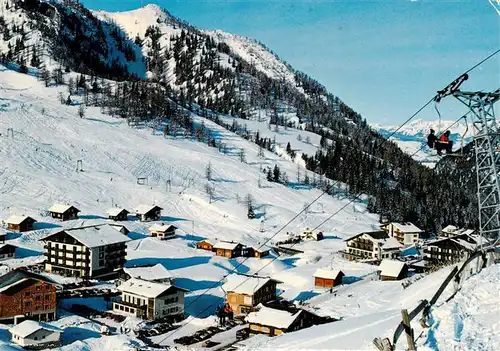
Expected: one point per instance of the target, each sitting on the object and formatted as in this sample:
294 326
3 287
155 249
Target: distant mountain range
418 130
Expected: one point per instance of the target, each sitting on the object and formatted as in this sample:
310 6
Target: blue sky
383 58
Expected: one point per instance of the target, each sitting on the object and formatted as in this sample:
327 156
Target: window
57 246
36 338
27 304
47 287
43 336
47 297
64 247
101 262
101 248
27 293
38 297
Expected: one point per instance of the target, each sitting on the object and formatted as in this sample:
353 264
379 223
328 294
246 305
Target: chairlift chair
440 133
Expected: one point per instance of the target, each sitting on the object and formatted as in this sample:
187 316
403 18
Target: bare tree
299 137
71 86
208 171
249 200
81 110
308 140
260 153
242 155
209 189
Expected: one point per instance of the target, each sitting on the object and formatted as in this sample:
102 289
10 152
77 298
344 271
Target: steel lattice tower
487 149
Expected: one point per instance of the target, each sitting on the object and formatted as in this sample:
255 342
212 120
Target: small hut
228 249
7 251
205 245
117 214
148 212
162 231
64 212
393 270
328 278
20 223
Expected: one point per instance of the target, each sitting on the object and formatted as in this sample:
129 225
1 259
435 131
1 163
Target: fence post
408 330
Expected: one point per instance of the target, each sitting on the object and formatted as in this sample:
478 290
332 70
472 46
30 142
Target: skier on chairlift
444 143
431 139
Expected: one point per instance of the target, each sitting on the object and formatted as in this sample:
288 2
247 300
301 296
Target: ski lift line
482 61
304 209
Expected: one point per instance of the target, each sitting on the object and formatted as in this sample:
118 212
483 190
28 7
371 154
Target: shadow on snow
169 263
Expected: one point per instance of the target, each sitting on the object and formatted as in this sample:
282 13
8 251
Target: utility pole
487 149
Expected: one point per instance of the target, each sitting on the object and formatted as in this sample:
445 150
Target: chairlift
440 145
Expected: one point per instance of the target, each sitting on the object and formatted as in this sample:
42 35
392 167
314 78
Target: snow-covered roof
143 209
468 232
17 219
467 245
17 276
327 273
206 241
272 317
161 227
143 287
243 284
115 211
407 227
262 248
4 245
420 263
59 208
449 229
28 327
225 245
152 273
391 243
375 235
391 268
95 236
117 226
